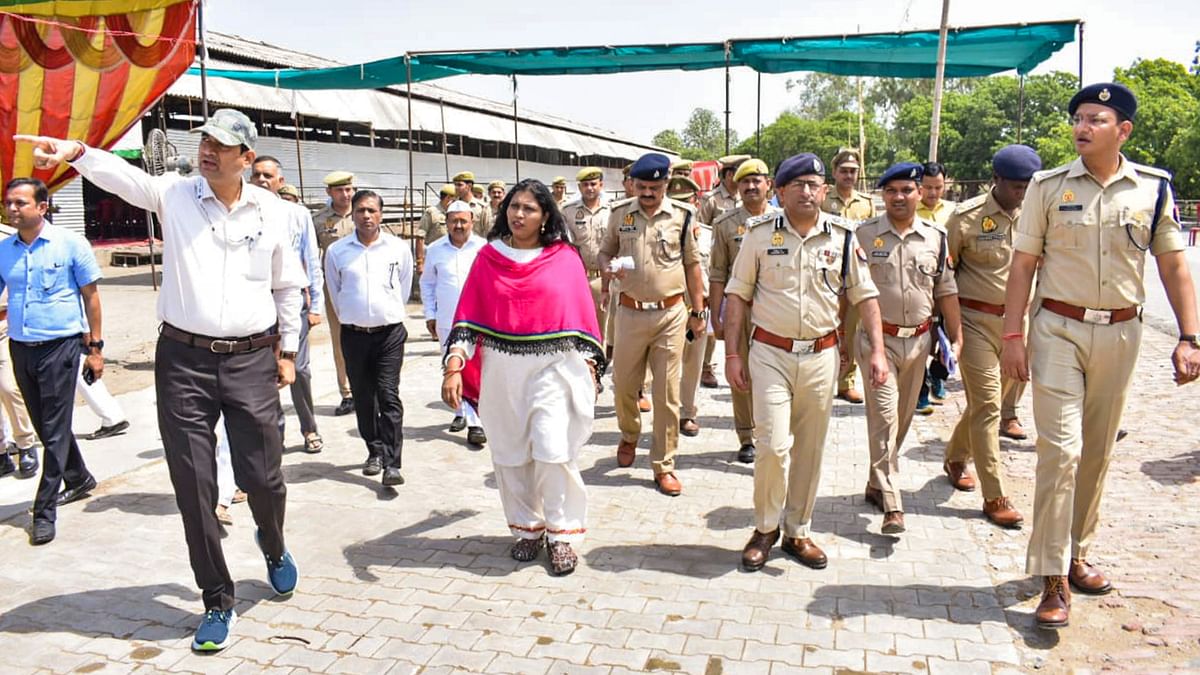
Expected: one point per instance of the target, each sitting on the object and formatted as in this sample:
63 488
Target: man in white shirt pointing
230 299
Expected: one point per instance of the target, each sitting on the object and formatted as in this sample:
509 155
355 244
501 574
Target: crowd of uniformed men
805 282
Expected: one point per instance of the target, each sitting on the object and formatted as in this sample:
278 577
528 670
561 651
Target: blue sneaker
938 391
924 407
214 630
283 573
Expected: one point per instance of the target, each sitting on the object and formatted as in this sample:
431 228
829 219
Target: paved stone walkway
419 579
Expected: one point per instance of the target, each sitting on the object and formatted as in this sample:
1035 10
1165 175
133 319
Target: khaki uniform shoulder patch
1040 176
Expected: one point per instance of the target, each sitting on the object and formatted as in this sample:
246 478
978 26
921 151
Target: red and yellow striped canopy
88 77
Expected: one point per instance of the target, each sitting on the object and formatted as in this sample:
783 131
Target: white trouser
467 412
543 497
225 482
98 399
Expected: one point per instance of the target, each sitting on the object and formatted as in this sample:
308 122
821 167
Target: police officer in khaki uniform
854 206
685 190
496 191
682 167
651 318
334 222
794 266
754 182
558 189
907 257
725 197
1092 222
433 223
979 237
464 189
587 221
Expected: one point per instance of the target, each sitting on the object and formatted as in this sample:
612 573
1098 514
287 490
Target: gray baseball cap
229 127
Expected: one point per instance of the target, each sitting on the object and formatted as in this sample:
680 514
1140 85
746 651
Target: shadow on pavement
350 474
968 605
697 561
406 547
110 612
1179 470
139 503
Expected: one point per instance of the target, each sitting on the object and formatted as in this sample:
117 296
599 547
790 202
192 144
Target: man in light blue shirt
53 313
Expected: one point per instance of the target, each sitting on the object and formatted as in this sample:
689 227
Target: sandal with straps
562 558
314 444
526 550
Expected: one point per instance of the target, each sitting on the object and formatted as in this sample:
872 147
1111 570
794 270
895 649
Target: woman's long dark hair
555 229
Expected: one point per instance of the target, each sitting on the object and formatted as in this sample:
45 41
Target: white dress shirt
303 239
227 273
369 285
446 268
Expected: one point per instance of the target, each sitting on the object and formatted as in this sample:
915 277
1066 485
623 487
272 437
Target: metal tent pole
299 119
757 121
203 60
445 152
1020 105
1081 55
727 97
516 131
938 83
411 175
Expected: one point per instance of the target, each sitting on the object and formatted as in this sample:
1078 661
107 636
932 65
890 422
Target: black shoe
458 424
372 466
345 407
475 436
105 432
391 476
745 454
78 492
7 465
29 463
42 532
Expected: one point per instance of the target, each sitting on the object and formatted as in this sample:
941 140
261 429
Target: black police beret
1016 162
1115 96
651 166
804 164
903 170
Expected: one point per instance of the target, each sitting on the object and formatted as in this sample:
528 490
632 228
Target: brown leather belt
1102 316
795 346
219 345
368 329
669 301
978 306
907 331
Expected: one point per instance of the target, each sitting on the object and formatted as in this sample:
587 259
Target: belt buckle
905 332
803 346
1097 316
652 305
227 346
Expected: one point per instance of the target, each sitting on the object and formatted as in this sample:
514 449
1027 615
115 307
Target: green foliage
702 138
668 139
1166 131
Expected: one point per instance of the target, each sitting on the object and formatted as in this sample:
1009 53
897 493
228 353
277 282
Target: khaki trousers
976 434
890 407
1081 373
793 401
1012 391
601 312
710 346
335 334
850 325
651 338
14 402
692 363
743 401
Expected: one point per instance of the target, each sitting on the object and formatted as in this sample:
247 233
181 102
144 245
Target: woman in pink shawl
525 347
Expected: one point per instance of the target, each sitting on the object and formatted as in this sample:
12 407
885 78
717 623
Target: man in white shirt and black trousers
230 298
369 276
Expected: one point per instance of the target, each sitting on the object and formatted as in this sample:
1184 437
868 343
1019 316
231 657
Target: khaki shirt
858 208
939 214
433 223
728 233
331 227
483 217
792 279
718 202
587 228
1086 233
979 236
660 247
903 268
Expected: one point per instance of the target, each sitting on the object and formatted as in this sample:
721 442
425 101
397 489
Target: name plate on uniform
627 228
1070 207
777 251
992 237
880 254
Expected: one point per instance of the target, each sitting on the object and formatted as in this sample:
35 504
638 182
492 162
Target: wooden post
938 82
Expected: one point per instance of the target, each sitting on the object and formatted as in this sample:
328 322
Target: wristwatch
290 356
1193 340
702 314
96 344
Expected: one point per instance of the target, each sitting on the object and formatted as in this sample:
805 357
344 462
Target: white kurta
446 268
538 411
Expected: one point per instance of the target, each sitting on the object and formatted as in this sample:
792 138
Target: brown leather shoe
688 427
758 549
875 496
626 451
643 403
668 484
1087 579
850 395
708 379
1055 608
960 476
1011 428
1001 512
893 522
805 551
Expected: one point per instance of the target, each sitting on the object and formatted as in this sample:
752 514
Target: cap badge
817 166
777 238
989 225
1104 95
912 173
1068 196
878 243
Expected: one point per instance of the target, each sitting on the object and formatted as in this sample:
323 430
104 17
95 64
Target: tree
705 134
668 139
1164 129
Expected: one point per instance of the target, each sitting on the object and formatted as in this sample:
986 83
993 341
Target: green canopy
970 52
